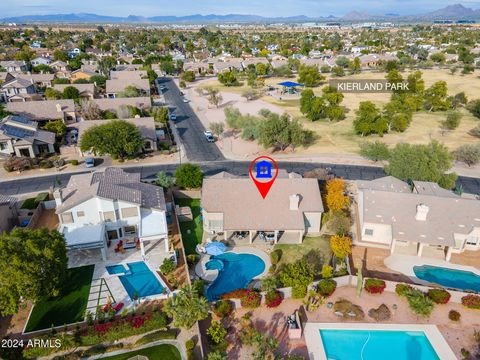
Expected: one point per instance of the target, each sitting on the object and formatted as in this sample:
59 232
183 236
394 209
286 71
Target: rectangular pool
138 279
377 345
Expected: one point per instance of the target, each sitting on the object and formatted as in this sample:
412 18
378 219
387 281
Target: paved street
28 185
188 125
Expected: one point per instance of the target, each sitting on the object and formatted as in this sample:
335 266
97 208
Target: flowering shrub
326 287
251 299
471 301
273 299
223 308
375 286
235 294
439 296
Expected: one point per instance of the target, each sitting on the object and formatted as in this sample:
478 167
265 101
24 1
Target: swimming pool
377 345
238 270
116 269
214 264
138 279
451 278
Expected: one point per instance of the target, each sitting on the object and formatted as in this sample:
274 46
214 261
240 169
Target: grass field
294 252
159 352
69 307
339 137
192 231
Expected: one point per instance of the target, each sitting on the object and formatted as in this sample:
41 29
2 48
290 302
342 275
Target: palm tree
187 308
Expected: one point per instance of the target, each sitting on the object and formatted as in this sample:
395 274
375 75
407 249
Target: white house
422 219
103 207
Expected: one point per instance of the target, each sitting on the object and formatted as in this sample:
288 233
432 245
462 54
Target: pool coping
316 350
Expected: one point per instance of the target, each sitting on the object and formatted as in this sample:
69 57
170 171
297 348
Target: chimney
422 211
59 108
58 196
294 201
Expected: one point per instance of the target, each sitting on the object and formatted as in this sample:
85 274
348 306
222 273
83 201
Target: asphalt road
350 172
188 125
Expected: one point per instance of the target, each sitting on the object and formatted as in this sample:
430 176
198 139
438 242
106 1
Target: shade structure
289 84
215 248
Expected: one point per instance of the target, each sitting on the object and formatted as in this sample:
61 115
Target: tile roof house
145 125
110 205
116 103
87 91
8 213
423 220
14 66
61 69
17 89
44 80
128 74
21 137
46 110
116 86
292 208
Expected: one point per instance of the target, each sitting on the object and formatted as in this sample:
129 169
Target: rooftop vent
294 201
422 211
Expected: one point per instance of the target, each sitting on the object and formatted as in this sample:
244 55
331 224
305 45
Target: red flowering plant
439 296
375 286
471 301
235 294
251 299
273 299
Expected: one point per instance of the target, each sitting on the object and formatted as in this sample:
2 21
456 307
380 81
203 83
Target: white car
185 100
209 136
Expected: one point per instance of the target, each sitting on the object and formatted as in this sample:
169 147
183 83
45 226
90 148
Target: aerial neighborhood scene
276 180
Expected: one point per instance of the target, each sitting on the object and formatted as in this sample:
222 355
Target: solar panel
21 119
17 132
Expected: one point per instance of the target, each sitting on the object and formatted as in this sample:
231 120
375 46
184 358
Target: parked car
162 87
173 116
89 162
266 236
209 136
185 100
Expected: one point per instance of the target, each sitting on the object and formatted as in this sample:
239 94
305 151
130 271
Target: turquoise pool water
116 269
377 345
215 264
451 278
238 270
140 280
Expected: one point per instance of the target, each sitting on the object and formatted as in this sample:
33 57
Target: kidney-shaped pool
450 278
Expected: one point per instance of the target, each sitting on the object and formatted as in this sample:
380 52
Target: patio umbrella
215 248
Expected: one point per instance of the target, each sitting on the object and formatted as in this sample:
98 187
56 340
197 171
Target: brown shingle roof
41 110
119 85
115 104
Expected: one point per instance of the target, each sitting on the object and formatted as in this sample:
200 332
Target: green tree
297 275
452 120
188 76
369 120
279 131
217 333
99 80
376 150
228 78
355 66
186 308
117 138
438 57
217 128
436 97
52 94
309 76
474 107
106 64
338 71
58 127
129 92
421 162
60 55
34 264
164 180
189 176
468 154
71 92
160 114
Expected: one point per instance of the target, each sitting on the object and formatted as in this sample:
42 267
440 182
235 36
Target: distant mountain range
451 12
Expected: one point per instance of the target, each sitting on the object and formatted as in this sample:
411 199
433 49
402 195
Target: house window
472 241
80 213
3 146
130 230
67 218
109 216
369 232
112 234
129 212
215 224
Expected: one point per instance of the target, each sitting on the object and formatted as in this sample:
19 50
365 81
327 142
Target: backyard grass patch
192 231
69 307
159 352
32 203
294 252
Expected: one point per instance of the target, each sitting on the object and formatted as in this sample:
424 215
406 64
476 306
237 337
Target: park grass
339 137
294 252
159 352
67 308
192 231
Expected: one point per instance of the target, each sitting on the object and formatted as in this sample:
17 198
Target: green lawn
191 240
32 203
69 307
159 352
294 252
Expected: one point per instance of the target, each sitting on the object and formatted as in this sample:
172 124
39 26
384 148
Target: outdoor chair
338 313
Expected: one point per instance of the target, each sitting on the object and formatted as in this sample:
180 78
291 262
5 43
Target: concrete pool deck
211 275
316 349
405 264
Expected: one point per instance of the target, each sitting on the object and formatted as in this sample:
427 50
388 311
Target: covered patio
86 237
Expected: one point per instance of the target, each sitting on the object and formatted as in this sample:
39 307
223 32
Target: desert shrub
192 259
454 315
235 294
273 299
275 256
251 299
402 289
190 346
223 308
375 286
74 162
272 268
471 301
439 296
419 302
326 287
17 163
327 271
167 267
45 164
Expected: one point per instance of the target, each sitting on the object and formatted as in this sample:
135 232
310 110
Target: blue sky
257 7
